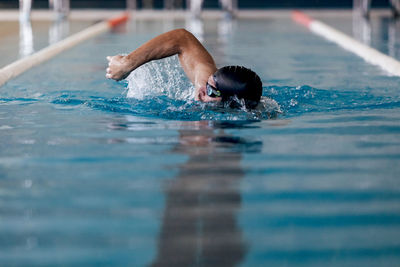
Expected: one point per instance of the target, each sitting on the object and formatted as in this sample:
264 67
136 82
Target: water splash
160 77
278 101
160 89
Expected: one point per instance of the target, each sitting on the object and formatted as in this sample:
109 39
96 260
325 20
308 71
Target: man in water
234 85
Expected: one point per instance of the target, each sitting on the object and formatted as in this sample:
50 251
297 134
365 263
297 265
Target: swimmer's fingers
116 69
108 72
109 75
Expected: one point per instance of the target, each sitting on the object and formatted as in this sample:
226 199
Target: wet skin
195 60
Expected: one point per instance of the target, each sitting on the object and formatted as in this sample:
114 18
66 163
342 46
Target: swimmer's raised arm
197 63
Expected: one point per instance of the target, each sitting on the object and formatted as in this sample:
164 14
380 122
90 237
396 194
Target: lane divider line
20 66
369 54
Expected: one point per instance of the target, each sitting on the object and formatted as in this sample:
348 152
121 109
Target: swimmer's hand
117 68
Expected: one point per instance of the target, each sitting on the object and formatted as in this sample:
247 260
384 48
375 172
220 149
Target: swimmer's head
234 83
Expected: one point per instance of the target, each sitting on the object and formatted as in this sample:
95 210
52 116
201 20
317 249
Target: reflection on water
25 38
196 27
362 28
225 29
58 30
394 38
199 225
385 38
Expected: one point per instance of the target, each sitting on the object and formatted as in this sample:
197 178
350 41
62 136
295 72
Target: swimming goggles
212 91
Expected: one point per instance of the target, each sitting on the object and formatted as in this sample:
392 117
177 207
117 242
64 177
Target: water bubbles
293 102
161 77
269 105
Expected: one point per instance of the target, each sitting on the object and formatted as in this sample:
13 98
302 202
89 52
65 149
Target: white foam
269 105
161 77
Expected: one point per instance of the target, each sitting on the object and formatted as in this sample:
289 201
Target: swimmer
234 85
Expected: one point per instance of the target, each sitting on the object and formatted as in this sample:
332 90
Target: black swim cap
240 82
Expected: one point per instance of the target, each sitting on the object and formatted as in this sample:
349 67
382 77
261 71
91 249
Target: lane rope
369 54
20 66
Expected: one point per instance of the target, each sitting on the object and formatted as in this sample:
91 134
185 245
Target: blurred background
159 4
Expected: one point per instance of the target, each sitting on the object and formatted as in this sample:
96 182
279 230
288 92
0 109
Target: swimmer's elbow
185 37
182 32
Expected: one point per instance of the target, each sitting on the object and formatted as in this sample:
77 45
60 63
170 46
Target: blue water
91 177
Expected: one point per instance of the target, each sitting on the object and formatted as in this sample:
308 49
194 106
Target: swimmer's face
202 94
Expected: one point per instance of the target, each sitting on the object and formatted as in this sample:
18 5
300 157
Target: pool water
136 173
